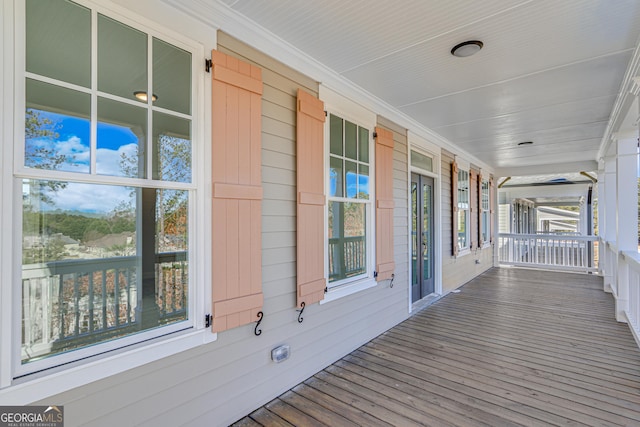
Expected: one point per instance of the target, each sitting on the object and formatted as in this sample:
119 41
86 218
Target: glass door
422 282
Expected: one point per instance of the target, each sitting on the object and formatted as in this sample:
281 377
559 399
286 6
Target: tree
42 156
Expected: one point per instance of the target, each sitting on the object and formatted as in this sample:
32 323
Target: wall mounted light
468 48
142 96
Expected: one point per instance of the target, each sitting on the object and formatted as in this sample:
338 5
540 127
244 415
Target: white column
627 215
602 213
609 207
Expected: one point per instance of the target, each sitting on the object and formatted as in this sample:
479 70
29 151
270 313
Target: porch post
609 229
627 214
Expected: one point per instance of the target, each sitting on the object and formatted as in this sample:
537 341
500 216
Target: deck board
513 347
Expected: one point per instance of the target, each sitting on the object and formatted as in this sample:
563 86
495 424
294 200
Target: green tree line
78 227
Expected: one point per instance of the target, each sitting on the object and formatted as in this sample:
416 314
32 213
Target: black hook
393 276
256 330
300 318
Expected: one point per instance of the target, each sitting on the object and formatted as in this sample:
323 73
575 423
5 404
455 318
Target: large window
463 209
106 180
485 211
349 200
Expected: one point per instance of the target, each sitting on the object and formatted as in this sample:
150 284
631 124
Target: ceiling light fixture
468 48
525 143
142 96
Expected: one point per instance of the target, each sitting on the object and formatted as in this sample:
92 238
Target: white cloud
108 161
90 197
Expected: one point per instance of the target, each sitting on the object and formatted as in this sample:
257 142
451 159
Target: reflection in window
56 32
463 209
171 148
485 211
349 173
55 140
348 198
347 240
120 44
99 262
122 130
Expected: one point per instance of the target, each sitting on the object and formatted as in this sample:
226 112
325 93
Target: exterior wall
457 271
401 198
220 382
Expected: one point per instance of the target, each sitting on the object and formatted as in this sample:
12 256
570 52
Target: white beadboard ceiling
550 71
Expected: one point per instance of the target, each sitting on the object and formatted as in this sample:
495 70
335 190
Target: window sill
31 390
463 252
348 289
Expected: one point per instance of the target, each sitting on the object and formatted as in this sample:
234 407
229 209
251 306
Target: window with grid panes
106 181
349 203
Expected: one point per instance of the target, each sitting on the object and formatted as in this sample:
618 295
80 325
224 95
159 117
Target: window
107 186
463 209
349 206
421 161
485 212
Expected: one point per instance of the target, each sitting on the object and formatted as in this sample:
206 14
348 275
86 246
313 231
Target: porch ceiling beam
588 165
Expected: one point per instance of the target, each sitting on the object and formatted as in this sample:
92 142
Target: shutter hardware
207 320
207 65
300 318
256 330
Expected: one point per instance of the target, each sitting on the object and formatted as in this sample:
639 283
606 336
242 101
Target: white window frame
485 213
464 168
21 387
348 110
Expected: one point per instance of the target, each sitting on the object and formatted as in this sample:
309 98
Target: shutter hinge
207 320
207 65
375 274
375 134
326 114
326 289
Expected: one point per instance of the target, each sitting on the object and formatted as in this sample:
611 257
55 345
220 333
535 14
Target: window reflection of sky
356 183
73 136
72 141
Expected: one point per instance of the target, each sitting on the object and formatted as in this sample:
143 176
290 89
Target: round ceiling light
468 48
142 96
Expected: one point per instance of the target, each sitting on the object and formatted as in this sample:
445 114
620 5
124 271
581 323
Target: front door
422 283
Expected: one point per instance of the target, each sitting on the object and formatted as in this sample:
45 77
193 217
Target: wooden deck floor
513 347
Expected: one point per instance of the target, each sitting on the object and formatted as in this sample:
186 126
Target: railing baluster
105 299
90 301
128 295
116 294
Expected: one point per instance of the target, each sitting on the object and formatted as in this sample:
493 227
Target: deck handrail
79 300
549 251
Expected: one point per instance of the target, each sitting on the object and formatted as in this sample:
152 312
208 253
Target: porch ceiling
549 71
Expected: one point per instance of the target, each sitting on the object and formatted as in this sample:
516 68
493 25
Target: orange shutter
491 202
454 208
236 191
311 199
480 241
473 217
384 204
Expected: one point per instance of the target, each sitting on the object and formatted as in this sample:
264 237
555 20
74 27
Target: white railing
70 302
549 251
628 291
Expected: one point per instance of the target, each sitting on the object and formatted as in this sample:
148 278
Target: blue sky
74 141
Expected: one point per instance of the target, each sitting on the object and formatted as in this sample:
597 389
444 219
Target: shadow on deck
513 347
